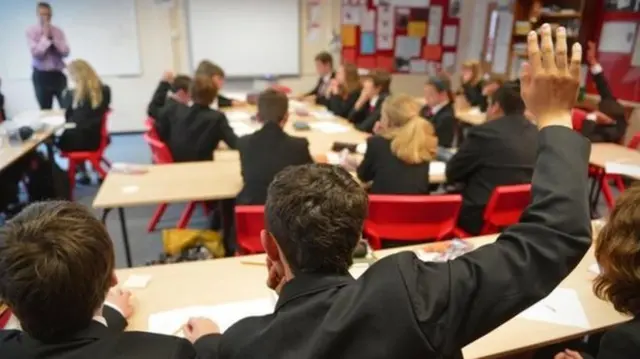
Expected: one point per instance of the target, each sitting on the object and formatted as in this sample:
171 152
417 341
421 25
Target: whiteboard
247 38
104 33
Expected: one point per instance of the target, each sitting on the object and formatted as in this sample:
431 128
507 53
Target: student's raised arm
159 97
482 290
602 85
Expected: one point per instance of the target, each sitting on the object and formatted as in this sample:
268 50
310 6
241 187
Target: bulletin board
401 36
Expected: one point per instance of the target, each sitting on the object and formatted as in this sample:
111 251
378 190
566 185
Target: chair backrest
149 124
634 142
577 118
413 217
104 131
159 151
249 224
506 204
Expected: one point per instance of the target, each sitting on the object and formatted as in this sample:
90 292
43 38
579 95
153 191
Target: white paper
130 189
594 268
241 129
54 121
418 66
562 307
448 60
617 37
384 41
322 115
407 47
224 315
351 15
358 269
435 24
450 36
368 23
437 168
137 281
238 116
623 168
635 59
328 127
386 21
334 158
361 148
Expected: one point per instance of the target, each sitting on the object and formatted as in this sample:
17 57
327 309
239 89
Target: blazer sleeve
602 85
468 158
305 154
115 320
158 99
208 346
106 99
358 115
366 169
67 104
473 94
444 125
601 133
314 91
618 343
228 136
224 102
369 122
343 106
483 289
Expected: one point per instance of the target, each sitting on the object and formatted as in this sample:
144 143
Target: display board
401 36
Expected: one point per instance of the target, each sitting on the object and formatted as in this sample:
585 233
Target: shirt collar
308 284
214 105
438 107
326 78
374 101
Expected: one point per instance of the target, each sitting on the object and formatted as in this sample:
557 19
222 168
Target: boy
217 76
163 103
439 109
324 68
375 89
402 307
56 268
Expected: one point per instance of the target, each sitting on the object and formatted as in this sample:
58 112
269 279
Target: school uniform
320 90
389 174
621 342
103 338
343 105
3 115
195 132
443 119
496 153
402 307
263 154
473 95
224 102
604 132
161 109
87 133
365 117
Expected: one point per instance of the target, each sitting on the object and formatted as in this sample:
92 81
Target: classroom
320 179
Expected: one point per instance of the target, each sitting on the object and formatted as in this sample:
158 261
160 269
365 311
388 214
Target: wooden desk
168 290
472 117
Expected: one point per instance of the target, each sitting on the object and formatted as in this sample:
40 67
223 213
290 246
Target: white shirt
373 101
438 107
325 84
596 69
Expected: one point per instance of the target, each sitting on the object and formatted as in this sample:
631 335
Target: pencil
254 263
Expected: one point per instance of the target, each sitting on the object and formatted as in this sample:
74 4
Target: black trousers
47 85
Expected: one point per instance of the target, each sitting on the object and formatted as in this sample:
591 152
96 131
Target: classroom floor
147 246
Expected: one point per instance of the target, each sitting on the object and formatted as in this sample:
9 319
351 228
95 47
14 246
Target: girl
86 106
472 85
344 90
397 156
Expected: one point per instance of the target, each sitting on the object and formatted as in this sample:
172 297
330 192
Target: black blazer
87 133
224 102
3 115
195 132
162 109
320 97
474 96
341 106
602 132
365 118
263 154
621 342
402 307
499 152
389 174
444 123
99 342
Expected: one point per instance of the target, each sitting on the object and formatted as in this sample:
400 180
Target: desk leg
125 233
594 197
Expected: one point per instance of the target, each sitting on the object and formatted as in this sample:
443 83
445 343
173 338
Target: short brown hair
210 69
203 90
181 83
56 265
272 106
381 78
325 58
617 252
44 4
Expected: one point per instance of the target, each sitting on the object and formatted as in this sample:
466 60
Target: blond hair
412 137
476 70
351 78
88 84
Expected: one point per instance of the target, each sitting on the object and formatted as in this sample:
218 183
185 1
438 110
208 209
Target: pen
550 308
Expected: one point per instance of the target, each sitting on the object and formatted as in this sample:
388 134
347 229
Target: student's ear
270 246
114 279
284 119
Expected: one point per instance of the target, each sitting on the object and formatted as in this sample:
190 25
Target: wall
164 45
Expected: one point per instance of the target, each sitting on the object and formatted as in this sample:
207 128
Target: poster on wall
622 5
314 13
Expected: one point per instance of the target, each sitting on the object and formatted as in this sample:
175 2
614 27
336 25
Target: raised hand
549 84
168 76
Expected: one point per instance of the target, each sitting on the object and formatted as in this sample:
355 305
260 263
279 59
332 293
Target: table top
601 153
168 290
472 116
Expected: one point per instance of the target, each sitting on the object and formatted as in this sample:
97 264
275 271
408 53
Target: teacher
48 47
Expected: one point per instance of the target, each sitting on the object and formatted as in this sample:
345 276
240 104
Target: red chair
505 207
635 142
577 118
249 224
149 124
96 158
161 155
411 218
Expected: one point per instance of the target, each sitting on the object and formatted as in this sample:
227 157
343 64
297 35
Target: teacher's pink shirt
48 54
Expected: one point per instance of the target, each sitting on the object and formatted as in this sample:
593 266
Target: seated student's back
56 268
195 131
171 92
397 157
269 150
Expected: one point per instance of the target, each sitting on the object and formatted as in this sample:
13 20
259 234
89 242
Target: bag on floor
188 245
47 181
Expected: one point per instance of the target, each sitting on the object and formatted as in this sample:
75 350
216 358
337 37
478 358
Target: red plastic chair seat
505 207
249 224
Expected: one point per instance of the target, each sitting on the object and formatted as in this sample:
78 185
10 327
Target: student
366 111
85 106
397 157
218 76
269 150
171 91
3 115
501 151
324 68
56 268
617 250
472 85
403 307
344 90
492 85
195 131
608 124
439 109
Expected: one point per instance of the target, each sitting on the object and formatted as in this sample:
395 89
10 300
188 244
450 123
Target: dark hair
381 78
617 251
272 106
325 58
210 69
316 213
181 83
44 4
203 90
509 99
56 265
442 83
